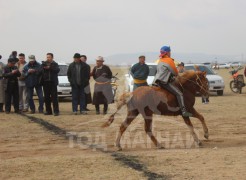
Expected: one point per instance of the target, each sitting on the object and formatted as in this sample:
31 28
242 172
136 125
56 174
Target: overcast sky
108 27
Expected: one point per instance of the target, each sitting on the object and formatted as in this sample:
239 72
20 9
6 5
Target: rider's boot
185 113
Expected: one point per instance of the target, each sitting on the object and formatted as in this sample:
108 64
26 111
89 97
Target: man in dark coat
78 77
103 90
50 82
87 89
11 73
32 72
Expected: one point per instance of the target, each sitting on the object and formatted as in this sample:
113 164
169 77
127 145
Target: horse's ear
204 73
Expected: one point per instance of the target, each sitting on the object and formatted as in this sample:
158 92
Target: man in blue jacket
32 74
140 72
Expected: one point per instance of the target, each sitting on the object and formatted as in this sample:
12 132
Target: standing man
166 72
2 86
11 73
13 55
88 99
23 99
140 72
78 77
181 67
32 73
103 93
50 82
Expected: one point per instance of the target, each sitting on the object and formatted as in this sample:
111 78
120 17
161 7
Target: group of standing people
19 79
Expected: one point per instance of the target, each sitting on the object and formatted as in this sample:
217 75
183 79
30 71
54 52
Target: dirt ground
76 147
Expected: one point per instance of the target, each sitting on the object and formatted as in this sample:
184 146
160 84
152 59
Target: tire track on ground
125 160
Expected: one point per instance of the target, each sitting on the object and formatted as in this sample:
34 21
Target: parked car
64 89
129 79
216 82
224 65
208 64
235 64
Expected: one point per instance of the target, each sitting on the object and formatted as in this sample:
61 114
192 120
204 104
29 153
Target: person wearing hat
11 74
140 72
103 93
23 99
50 82
166 72
181 67
2 86
78 77
32 74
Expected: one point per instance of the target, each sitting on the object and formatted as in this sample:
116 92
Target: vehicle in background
208 64
129 79
216 82
237 83
224 65
63 89
235 64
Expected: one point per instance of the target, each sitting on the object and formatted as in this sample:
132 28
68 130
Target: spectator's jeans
23 98
50 95
78 97
39 92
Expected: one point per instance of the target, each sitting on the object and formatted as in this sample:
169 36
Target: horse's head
195 80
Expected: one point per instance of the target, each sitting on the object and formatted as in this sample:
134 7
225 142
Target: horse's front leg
190 126
201 118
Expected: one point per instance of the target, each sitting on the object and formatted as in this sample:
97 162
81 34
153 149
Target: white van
63 88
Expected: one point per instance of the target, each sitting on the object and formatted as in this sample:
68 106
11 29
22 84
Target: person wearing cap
11 74
50 82
2 86
23 99
78 76
32 74
103 93
181 67
87 89
166 72
140 72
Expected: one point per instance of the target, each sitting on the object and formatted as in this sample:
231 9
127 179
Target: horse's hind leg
201 118
130 117
190 126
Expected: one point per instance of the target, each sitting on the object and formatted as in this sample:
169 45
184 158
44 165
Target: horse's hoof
199 143
160 147
119 148
206 135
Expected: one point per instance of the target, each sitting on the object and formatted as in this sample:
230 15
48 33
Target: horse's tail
123 100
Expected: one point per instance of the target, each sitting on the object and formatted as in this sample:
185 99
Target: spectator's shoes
97 112
56 114
83 112
47 113
75 112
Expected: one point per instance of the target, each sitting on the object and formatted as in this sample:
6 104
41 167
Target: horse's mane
189 74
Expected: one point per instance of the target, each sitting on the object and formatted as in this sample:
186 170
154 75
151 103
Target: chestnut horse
148 100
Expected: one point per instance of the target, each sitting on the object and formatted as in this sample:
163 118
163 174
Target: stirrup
186 114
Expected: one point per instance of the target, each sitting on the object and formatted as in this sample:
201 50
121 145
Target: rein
194 82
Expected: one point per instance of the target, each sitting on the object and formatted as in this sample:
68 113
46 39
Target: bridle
196 82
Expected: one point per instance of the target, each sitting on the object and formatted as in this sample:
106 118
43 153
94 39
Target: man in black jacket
78 77
11 73
50 82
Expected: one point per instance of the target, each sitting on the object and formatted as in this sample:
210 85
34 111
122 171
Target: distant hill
127 59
